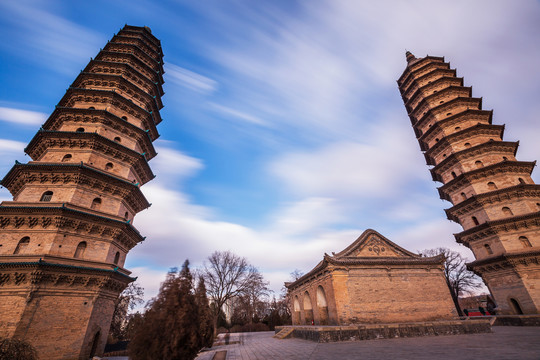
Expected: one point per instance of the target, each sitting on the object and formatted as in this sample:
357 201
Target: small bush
17 349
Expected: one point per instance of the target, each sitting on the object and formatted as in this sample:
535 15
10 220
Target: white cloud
11 146
189 79
351 169
19 116
236 114
172 166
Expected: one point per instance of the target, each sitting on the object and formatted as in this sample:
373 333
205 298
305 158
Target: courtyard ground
506 342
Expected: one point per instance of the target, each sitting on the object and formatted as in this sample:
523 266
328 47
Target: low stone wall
387 331
517 320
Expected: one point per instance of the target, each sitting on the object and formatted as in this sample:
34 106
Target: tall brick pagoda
65 236
493 196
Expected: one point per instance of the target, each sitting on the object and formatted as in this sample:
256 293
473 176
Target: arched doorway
308 309
322 306
296 311
515 306
95 342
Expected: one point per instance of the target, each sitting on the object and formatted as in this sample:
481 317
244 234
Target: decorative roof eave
146 143
496 226
363 237
410 78
42 265
434 260
136 198
446 73
7 261
457 157
473 101
146 116
453 119
141 35
34 150
452 89
408 71
486 171
110 46
313 272
143 30
508 259
421 90
142 42
104 53
131 69
151 101
477 201
466 133
131 235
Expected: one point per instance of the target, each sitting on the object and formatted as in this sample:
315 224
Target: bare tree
460 281
251 302
296 274
227 276
128 300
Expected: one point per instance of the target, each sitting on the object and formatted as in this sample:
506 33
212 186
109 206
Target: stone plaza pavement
506 342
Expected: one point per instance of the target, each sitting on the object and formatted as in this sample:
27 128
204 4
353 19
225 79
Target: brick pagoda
493 196
65 236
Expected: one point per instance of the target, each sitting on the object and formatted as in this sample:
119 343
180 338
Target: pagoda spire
410 57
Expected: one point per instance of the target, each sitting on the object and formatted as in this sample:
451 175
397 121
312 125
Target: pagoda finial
410 57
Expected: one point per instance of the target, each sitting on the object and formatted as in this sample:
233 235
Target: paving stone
505 343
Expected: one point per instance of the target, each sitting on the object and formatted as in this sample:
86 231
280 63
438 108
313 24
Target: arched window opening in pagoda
79 252
521 181
491 185
475 220
96 204
117 139
66 158
80 129
23 243
116 258
109 166
463 196
525 241
516 307
506 211
478 164
46 196
488 249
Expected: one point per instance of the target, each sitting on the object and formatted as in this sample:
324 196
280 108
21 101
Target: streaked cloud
189 79
7 145
238 115
24 117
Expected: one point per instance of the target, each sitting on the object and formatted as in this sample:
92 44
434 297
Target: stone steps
284 333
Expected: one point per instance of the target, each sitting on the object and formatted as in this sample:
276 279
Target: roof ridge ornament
410 57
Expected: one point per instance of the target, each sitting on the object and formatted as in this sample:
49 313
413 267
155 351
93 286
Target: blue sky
284 134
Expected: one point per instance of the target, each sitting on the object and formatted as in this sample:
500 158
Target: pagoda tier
71 218
493 195
93 149
105 123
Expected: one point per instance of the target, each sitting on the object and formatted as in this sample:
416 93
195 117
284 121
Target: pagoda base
63 310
